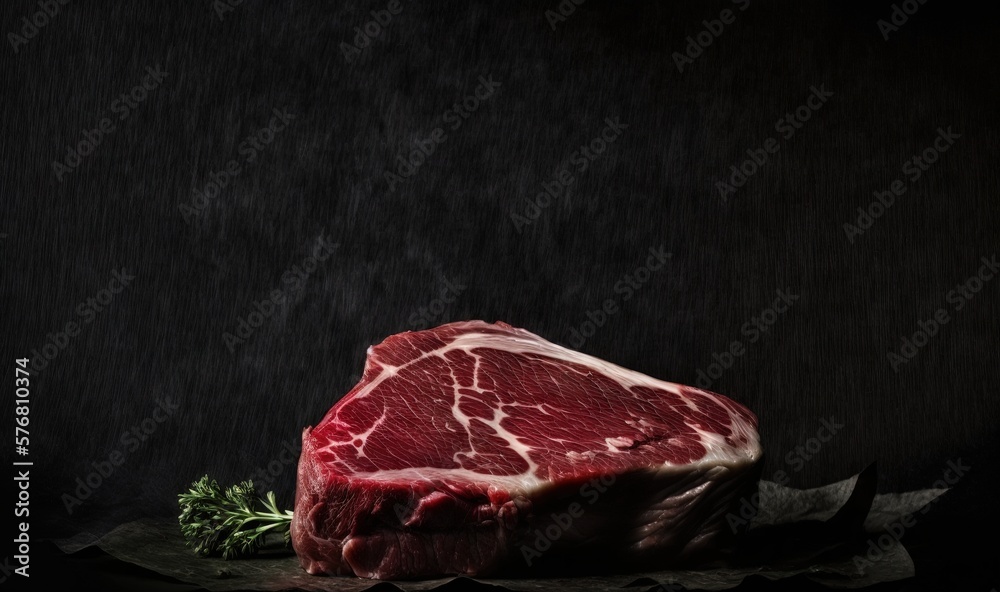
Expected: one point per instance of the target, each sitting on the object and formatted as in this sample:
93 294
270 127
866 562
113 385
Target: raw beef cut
482 449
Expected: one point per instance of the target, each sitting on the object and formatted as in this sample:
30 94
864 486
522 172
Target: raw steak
482 449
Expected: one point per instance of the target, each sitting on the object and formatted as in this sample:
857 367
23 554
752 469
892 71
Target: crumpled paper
158 545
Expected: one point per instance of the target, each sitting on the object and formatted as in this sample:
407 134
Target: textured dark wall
450 227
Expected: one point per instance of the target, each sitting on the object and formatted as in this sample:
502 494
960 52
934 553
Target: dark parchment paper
159 546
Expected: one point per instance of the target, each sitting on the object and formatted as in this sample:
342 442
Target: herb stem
223 522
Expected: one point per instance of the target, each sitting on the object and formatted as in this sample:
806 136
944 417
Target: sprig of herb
217 522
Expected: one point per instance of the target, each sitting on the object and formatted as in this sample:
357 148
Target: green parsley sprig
216 522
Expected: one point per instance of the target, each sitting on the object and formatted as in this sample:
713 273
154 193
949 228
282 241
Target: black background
63 236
